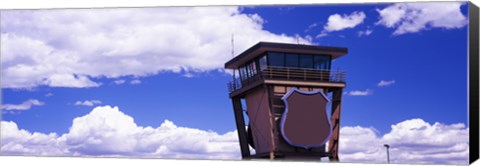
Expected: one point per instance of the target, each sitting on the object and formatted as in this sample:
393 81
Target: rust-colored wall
258 115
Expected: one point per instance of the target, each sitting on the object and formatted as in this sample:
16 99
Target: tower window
276 59
291 60
306 61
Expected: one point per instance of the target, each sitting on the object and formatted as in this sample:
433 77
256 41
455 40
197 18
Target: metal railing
289 73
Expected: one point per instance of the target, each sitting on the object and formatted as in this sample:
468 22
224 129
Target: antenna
233 45
298 42
233 54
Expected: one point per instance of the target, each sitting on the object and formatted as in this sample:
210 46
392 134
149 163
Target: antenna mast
296 36
233 46
233 54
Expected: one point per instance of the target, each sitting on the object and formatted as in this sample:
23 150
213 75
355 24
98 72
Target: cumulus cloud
88 103
71 48
415 17
411 141
69 80
106 131
15 141
337 22
48 94
26 105
360 93
360 144
384 83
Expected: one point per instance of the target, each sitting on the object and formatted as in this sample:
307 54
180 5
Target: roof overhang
261 47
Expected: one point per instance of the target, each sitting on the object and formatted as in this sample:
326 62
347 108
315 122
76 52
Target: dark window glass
291 60
306 61
249 70
321 62
263 63
242 73
254 68
276 59
246 72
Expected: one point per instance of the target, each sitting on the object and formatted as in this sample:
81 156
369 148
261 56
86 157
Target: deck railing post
304 74
288 73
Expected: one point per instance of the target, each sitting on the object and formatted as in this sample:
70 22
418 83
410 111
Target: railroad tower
291 98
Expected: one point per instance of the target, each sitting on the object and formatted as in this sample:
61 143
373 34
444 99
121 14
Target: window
249 70
253 68
306 61
289 88
291 60
276 59
243 73
263 63
279 89
321 62
303 88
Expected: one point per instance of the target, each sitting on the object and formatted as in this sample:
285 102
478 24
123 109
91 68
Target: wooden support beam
335 123
240 122
273 131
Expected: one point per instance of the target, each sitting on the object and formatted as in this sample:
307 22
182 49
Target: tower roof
261 47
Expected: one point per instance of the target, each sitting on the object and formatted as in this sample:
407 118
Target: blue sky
162 69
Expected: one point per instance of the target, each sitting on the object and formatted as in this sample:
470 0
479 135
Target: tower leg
335 123
240 122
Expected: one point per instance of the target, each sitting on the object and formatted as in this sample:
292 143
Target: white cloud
88 103
26 105
118 82
415 17
411 141
360 144
135 82
48 94
360 93
308 38
188 75
71 48
322 34
69 80
15 141
384 83
365 32
339 22
311 26
106 131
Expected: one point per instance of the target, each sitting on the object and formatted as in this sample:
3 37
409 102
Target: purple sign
305 122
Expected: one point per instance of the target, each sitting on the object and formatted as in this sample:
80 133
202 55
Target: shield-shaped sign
304 122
